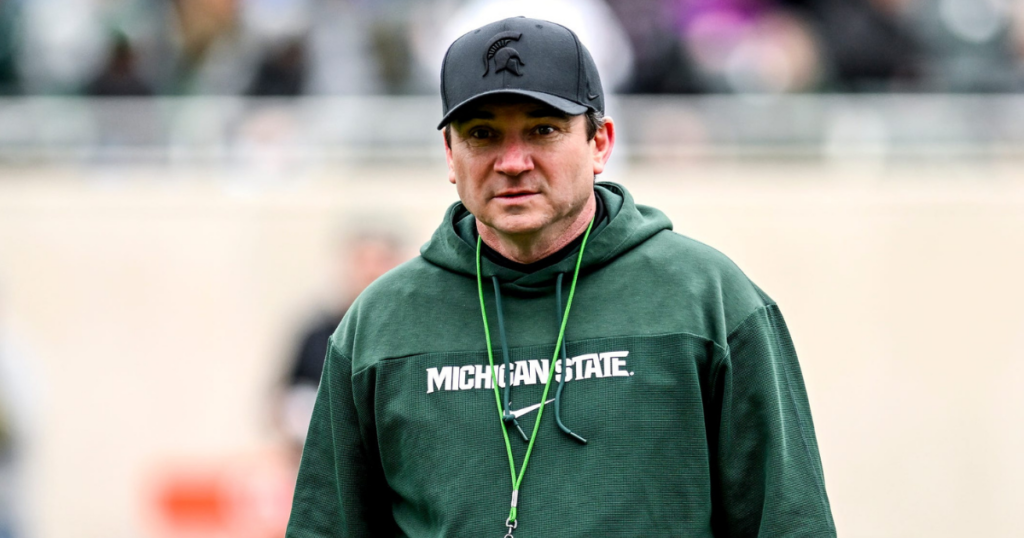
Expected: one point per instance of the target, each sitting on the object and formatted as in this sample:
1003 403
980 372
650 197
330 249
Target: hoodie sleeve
341 491
768 480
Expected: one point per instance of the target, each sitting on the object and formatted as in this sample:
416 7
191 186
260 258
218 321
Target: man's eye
480 134
545 130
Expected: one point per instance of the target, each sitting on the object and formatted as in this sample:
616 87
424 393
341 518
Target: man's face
524 168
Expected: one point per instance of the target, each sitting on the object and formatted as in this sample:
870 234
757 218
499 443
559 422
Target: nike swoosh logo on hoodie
520 412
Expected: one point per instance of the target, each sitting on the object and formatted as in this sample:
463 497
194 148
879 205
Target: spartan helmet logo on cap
505 57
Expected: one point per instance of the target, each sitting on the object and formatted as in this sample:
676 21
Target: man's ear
448 153
602 144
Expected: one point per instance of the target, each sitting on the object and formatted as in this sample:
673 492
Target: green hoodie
680 375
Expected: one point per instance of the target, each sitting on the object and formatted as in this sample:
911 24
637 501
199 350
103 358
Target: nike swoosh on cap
520 412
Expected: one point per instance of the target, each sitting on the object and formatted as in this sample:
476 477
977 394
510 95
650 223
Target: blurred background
192 192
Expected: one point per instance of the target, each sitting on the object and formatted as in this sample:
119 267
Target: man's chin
516 225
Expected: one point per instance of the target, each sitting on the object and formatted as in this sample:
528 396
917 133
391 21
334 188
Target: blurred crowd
17 400
332 47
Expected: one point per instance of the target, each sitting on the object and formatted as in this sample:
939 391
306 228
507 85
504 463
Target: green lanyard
511 522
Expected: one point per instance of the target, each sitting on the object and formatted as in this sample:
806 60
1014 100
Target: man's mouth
514 195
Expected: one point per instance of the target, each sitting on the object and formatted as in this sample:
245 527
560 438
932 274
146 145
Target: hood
453 245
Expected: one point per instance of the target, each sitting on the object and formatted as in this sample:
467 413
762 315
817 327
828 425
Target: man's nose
515 158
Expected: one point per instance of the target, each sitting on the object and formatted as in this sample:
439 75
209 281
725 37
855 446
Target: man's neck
526 249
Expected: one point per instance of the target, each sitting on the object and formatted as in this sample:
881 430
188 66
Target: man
557 362
362 258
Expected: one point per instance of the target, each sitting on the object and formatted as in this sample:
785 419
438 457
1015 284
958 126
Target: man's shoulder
413 308
408 284
403 279
675 245
690 258
700 275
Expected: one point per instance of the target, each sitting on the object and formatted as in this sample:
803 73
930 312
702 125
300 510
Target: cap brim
561 103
